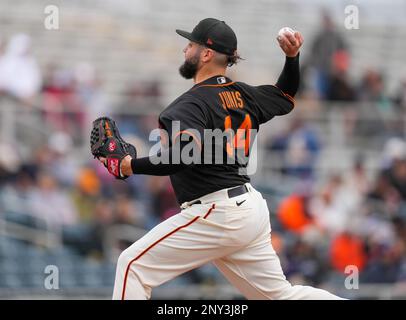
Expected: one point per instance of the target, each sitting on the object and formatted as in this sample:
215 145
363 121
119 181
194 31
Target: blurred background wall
333 171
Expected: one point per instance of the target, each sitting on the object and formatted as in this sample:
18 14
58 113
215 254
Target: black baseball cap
214 34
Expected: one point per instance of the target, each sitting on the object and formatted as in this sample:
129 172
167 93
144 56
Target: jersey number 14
241 139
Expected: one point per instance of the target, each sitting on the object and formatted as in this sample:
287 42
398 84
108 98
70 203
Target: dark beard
189 68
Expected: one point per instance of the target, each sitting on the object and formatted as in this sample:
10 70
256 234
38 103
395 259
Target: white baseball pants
236 238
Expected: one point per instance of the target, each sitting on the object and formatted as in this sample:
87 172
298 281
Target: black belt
237 191
233 192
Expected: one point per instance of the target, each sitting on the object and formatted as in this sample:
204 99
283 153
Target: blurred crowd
327 72
352 218
348 220
58 183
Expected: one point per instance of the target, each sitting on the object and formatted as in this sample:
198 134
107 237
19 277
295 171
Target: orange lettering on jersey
231 100
242 139
234 100
240 103
223 102
226 99
229 145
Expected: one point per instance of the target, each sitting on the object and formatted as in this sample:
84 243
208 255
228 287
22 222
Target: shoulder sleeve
271 102
185 117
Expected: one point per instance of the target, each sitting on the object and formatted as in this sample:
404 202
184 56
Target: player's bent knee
132 281
124 259
127 261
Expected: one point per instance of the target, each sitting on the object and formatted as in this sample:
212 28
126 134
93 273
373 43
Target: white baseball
286 30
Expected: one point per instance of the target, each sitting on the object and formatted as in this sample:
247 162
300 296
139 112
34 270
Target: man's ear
207 55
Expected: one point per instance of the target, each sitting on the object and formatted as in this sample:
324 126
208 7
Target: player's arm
277 100
289 79
153 165
192 121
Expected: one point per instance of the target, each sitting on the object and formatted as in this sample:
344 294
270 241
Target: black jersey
219 103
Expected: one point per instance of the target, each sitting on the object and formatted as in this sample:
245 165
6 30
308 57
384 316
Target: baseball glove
106 142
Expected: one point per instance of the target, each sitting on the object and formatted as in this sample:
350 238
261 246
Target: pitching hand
290 44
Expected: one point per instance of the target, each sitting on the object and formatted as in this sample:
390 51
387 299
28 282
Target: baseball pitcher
222 218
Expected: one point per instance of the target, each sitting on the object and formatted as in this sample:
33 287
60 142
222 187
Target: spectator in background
86 193
88 238
102 218
126 212
20 75
331 208
293 213
63 108
144 95
394 148
371 92
383 195
339 87
93 101
15 193
399 226
163 200
384 262
325 44
304 261
355 184
400 97
372 88
51 203
391 183
9 161
300 146
396 176
347 250
64 165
